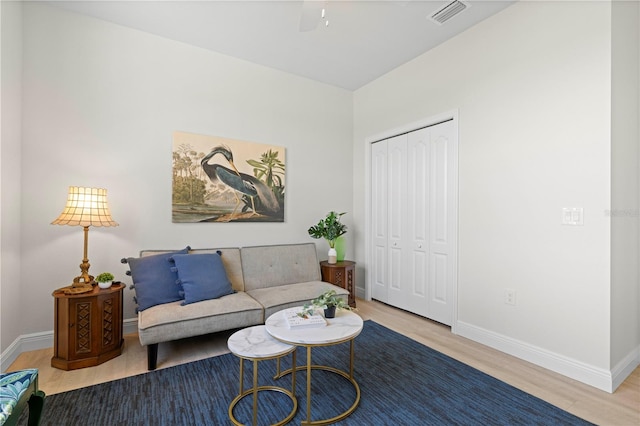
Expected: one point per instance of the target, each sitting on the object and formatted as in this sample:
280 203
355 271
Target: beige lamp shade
86 207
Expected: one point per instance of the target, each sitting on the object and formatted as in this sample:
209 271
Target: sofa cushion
232 264
154 281
172 321
202 276
270 266
274 299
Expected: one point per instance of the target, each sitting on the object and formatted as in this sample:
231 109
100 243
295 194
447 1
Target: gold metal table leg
241 376
308 383
255 392
351 353
293 372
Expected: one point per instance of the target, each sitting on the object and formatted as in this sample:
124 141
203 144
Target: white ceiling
364 39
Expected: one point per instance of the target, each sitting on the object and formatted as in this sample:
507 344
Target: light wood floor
621 408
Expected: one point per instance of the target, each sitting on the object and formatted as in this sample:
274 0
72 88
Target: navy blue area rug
402 382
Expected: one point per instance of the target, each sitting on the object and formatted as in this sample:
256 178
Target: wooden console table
341 274
88 327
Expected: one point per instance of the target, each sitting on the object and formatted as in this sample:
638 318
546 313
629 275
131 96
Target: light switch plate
573 216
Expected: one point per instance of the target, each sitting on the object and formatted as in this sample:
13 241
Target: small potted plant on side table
105 279
329 228
329 301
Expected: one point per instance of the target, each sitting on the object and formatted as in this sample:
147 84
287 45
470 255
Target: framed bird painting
218 179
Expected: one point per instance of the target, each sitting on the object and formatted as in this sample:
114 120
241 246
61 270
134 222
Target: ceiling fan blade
311 14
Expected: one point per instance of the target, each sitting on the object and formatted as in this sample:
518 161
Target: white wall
625 299
532 85
10 134
100 105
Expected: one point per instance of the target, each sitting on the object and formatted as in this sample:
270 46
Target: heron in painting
240 182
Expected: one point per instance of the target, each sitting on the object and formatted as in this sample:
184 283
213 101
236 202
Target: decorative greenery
269 170
105 277
326 300
329 228
189 184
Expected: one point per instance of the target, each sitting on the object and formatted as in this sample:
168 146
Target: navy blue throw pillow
154 281
202 276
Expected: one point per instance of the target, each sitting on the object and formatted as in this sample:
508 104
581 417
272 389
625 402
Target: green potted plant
329 301
105 279
329 228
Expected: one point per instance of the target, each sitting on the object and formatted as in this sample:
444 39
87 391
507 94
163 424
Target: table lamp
85 207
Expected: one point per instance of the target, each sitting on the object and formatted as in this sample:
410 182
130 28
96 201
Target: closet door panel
397 220
418 147
442 232
379 202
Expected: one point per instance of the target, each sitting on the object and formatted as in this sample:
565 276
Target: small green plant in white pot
330 301
105 279
329 228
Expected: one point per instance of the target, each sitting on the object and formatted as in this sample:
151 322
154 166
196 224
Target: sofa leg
152 356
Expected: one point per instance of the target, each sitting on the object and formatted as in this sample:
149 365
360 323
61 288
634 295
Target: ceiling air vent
447 12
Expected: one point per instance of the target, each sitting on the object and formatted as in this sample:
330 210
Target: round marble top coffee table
255 344
343 328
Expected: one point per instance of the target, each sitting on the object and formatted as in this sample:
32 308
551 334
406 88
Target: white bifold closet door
414 221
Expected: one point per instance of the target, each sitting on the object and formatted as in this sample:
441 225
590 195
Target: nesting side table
255 344
345 327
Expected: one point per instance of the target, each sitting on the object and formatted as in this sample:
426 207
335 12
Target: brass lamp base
84 282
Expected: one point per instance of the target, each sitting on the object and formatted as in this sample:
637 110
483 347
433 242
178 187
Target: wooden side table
87 327
341 274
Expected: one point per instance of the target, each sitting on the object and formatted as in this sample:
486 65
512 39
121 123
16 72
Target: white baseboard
624 368
43 340
605 380
599 378
25 343
130 326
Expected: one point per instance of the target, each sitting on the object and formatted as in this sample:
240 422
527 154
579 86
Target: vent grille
447 12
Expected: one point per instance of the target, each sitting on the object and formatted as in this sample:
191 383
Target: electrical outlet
509 296
573 216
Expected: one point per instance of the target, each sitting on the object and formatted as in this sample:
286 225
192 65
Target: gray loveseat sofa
265 279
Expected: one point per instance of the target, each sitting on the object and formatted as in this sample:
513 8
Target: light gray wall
11 291
100 104
532 85
625 319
